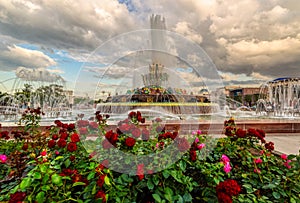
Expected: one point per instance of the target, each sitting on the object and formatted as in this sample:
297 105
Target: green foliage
58 173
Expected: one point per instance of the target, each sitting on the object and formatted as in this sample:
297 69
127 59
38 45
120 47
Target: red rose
64 135
224 198
17 197
55 137
228 131
193 155
62 143
72 147
58 123
51 143
241 133
68 172
75 137
114 139
229 187
174 135
65 125
130 142
261 132
76 178
71 126
269 146
101 194
100 181
106 144
109 134
83 131
136 133
4 134
132 114
72 158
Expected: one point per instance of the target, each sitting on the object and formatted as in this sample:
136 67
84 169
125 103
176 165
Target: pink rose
284 156
196 140
225 159
200 146
258 161
3 158
44 153
257 171
287 164
227 167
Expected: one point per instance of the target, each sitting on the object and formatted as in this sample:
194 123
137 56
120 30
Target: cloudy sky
249 41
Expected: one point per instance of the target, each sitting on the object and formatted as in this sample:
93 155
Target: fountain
280 98
52 98
158 85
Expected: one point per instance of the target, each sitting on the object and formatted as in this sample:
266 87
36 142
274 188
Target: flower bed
135 163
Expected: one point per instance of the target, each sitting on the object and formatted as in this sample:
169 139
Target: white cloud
13 56
65 24
246 36
260 76
185 29
262 54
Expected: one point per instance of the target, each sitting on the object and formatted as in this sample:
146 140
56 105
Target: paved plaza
285 143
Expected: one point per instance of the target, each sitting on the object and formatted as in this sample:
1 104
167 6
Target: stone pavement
287 143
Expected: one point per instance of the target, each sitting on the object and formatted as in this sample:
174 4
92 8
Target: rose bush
74 162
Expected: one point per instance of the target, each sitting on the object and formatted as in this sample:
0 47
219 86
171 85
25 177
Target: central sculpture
157 92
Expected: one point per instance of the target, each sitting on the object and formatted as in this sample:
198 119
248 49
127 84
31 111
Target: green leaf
43 168
248 187
107 181
25 183
180 199
166 174
156 197
150 184
56 179
155 180
67 162
292 200
59 157
269 186
78 183
45 188
37 175
40 197
187 197
168 194
91 175
182 165
276 195
45 179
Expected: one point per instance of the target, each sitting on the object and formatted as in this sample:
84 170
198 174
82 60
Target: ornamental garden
138 160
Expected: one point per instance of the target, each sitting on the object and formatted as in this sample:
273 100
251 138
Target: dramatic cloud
185 29
247 40
64 24
12 56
